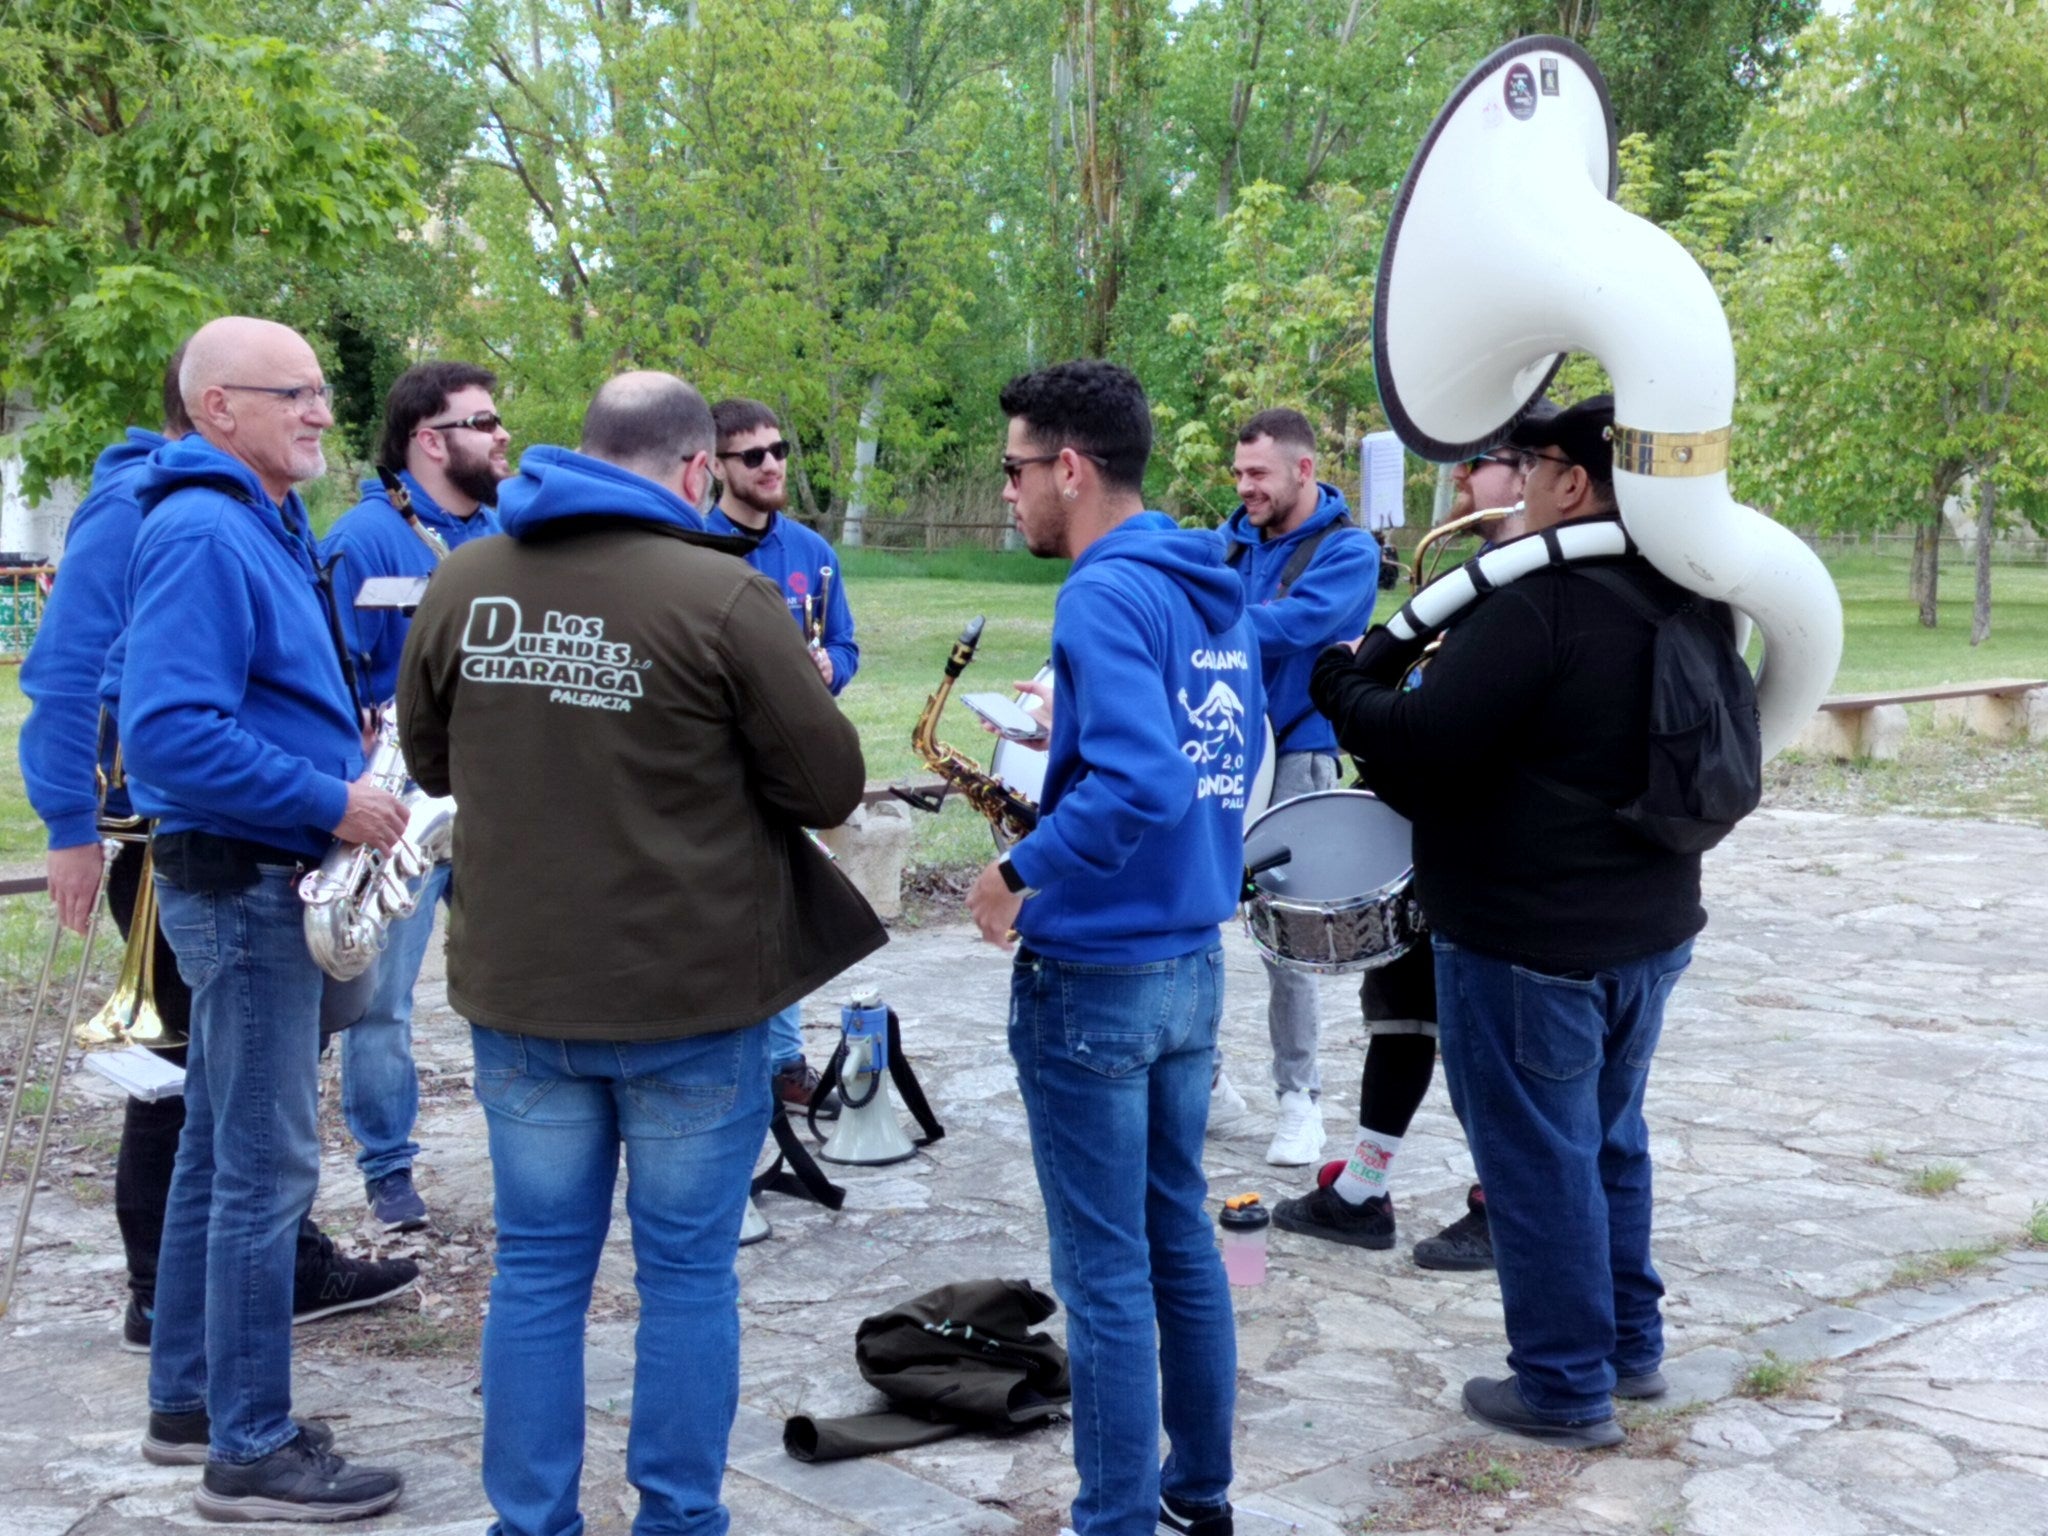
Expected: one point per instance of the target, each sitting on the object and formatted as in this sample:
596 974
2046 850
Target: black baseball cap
1583 432
1538 415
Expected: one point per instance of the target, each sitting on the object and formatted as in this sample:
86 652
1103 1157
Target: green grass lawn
911 607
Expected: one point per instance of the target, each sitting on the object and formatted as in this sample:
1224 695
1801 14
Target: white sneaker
1299 1139
1229 1115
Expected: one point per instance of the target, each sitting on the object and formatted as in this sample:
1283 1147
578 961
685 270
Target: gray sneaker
181 1439
298 1481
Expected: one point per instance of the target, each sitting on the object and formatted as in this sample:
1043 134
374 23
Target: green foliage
1893 334
1936 1179
1776 1377
1293 326
152 156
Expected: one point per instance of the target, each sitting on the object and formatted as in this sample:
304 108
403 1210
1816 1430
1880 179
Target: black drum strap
802 1178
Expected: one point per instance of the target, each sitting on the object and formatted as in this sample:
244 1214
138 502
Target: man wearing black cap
1559 931
1352 1200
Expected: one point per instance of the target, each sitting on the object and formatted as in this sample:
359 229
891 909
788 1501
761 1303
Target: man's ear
696 480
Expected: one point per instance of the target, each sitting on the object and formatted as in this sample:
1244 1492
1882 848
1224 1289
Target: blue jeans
691 1115
380 1087
786 1037
248 1162
1114 1063
1549 1073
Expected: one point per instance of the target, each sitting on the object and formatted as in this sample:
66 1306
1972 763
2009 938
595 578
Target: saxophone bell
1011 814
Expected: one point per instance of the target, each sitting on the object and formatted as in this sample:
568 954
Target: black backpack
1706 753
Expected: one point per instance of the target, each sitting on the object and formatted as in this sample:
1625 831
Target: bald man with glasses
243 735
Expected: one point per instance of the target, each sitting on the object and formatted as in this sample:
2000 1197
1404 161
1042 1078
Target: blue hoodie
87 610
235 715
1139 852
1331 601
791 556
554 483
372 538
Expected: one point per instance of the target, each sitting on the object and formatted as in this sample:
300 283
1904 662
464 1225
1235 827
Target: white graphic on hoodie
568 655
1219 747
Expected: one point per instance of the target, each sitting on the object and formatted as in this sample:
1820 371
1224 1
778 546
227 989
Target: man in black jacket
1559 934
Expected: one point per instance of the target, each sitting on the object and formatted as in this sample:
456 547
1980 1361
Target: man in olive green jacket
636 738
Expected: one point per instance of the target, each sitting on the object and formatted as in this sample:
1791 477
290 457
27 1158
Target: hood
554 484
1189 557
424 506
192 462
1330 505
127 454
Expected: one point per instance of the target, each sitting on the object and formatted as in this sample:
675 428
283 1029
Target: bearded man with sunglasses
754 489
445 442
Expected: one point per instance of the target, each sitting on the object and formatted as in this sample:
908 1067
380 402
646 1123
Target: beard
474 477
755 500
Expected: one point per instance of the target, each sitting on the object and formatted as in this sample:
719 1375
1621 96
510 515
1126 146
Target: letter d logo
493 625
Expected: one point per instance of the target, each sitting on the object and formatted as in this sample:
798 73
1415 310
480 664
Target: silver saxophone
357 892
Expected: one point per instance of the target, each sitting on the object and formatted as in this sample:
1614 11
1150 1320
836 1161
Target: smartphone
1008 717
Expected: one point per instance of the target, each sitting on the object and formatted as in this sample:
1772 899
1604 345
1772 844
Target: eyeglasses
1014 468
755 457
476 421
1504 460
1531 460
297 396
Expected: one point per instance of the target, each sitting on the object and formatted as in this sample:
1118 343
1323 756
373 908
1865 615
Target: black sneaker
1324 1213
1178 1519
298 1481
1498 1404
394 1203
136 1326
1648 1384
1466 1243
180 1439
337 1283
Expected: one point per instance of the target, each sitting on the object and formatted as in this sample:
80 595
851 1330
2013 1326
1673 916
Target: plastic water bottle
1244 1222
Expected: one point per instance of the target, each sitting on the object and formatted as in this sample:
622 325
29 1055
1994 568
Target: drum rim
1274 898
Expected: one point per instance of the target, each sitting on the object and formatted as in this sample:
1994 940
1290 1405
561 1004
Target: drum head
1262 781
1346 844
1019 766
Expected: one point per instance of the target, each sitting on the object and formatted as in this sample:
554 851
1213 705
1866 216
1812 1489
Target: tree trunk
1927 572
1987 509
863 463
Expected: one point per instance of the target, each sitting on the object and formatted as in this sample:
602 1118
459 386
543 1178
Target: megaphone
867 1134
753 1226
1505 252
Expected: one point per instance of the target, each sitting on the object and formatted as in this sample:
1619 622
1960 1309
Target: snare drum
1342 902
1023 768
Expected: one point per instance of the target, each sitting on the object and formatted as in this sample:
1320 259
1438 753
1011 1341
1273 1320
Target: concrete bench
1873 725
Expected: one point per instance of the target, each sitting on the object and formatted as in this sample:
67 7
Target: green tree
153 156
1893 320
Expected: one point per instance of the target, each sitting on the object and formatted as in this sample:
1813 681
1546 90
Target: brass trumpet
1418 576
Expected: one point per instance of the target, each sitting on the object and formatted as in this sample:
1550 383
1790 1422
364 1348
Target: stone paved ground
1868 1004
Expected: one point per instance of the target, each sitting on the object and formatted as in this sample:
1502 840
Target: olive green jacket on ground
635 737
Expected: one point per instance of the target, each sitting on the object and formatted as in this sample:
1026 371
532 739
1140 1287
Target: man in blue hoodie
1311 577
755 489
64 739
445 442
244 740
1115 996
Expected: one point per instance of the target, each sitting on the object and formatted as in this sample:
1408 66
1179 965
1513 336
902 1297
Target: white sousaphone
1505 252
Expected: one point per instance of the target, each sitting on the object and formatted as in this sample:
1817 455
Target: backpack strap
1297 562
803 1178
1634 597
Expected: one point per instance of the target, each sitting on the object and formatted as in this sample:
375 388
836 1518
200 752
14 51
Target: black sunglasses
1014 468
754 458
481 421
1505 460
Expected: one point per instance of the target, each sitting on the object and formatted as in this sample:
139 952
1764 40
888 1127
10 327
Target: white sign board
1382 467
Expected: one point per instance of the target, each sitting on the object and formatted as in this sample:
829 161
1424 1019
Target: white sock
1369 1171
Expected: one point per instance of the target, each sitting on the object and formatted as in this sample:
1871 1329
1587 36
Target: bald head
650 423
254 389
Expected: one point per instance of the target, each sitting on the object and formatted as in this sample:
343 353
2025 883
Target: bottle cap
1243 1213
